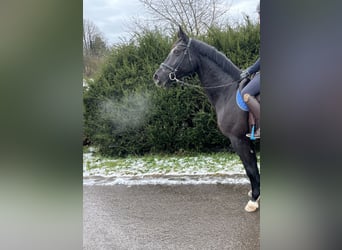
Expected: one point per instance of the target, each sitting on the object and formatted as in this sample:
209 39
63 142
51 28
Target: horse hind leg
246 152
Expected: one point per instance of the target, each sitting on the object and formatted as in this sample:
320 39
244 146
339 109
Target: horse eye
176 51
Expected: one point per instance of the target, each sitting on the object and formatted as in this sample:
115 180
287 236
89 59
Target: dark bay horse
219 78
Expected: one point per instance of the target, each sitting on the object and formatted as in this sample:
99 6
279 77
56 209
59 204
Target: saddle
251 118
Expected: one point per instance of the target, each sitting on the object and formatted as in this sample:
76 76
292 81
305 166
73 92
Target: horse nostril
155 77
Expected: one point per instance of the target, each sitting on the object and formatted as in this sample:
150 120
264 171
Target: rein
211 87
182 83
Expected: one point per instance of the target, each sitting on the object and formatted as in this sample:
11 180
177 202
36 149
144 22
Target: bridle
173 77
172 74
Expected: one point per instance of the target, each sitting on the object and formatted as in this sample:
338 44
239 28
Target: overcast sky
113 17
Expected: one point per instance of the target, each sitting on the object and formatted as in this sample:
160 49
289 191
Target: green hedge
125 113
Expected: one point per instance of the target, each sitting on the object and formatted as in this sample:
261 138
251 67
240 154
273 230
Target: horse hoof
252 206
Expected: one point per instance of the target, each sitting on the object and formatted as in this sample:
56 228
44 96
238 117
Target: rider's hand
244 74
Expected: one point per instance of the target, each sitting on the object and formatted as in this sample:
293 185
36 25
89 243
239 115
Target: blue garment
240 102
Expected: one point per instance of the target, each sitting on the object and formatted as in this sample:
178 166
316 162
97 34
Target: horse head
178 63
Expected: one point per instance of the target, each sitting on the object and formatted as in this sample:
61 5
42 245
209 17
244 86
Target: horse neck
211 75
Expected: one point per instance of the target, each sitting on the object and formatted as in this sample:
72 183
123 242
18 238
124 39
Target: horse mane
217 57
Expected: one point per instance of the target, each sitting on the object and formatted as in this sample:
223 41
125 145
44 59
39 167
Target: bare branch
194 15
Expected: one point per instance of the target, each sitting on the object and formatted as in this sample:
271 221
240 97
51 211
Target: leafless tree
195 16
93 41
94 48
89 32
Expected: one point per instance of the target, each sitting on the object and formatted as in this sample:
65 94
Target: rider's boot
254 107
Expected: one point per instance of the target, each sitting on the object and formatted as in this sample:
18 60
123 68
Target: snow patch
162 171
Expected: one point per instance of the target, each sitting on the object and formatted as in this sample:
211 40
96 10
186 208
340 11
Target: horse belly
232 124
225 126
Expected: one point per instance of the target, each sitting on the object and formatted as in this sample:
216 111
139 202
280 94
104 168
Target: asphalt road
168 217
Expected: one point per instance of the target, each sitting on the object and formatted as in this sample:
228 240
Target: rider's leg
248 93
254 107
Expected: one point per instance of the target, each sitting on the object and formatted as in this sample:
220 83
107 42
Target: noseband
172 74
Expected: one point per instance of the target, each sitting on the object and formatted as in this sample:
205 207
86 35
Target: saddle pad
239 101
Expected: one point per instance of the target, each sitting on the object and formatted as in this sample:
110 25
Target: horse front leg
245 149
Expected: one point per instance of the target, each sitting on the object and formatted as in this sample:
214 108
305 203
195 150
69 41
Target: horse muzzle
160 78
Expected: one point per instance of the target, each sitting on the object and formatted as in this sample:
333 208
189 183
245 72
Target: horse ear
182 35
